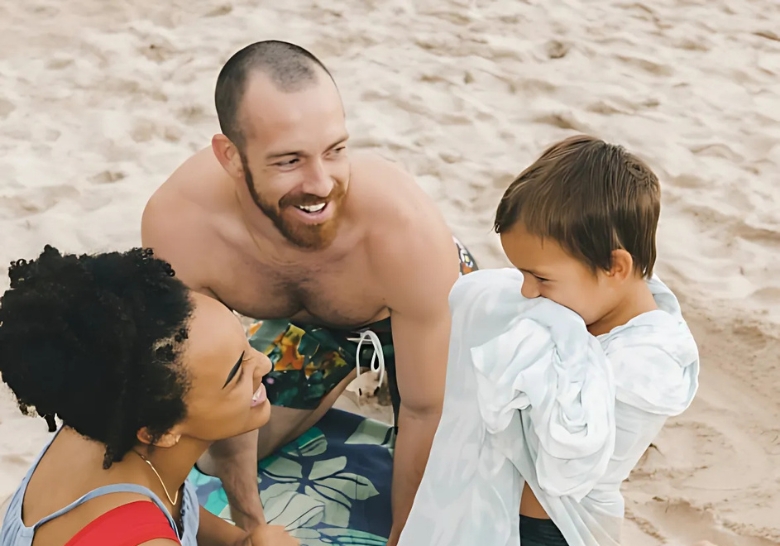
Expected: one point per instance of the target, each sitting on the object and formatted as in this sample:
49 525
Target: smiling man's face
295 159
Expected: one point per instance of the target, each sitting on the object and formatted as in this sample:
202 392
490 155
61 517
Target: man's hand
395 535
412 446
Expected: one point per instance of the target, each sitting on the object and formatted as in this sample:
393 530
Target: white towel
588 408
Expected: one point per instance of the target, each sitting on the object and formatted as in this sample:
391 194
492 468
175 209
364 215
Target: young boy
579 224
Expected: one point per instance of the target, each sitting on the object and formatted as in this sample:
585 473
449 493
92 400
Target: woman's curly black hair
95 340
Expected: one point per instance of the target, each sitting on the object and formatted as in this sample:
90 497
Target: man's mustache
307 199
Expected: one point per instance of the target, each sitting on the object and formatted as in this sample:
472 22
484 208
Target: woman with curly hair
144 375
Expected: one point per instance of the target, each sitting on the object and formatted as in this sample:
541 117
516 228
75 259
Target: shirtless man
281 223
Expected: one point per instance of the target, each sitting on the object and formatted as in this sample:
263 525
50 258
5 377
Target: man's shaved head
289 67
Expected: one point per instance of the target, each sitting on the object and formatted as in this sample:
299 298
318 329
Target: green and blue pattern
329 487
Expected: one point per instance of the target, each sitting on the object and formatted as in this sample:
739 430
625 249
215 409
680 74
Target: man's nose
318 180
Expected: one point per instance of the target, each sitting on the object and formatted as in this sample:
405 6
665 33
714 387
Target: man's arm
233 460
420 268
166 228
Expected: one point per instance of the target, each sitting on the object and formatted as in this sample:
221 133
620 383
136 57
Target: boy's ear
622 265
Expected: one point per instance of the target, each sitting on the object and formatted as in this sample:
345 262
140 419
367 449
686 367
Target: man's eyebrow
341 140
282 154
234 370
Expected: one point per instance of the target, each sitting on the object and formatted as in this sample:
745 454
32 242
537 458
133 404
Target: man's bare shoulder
197 184
389 195
405 223
182 215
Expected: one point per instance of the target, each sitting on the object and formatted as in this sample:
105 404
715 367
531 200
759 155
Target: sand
101 100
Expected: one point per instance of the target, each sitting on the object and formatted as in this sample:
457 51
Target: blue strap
107 490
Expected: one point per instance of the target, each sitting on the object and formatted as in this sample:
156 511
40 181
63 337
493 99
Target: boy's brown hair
592 198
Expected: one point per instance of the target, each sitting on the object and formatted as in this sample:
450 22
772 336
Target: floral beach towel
329 487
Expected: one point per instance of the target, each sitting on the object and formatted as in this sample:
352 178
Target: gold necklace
147 461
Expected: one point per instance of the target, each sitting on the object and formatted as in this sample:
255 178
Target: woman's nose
264 365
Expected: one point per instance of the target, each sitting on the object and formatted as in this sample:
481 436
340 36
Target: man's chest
344 295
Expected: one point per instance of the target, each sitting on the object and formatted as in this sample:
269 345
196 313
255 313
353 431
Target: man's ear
622 265
169 439
227 155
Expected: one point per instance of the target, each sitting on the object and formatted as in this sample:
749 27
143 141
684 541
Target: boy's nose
530 289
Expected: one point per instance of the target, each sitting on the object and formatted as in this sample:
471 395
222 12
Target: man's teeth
312 208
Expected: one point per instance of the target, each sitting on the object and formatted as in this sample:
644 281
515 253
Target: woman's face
226 395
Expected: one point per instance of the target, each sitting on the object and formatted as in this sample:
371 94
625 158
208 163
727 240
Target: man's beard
307 236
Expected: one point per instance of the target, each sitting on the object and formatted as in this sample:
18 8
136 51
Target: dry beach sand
101 99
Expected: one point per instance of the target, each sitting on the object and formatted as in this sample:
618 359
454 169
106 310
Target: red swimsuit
127 525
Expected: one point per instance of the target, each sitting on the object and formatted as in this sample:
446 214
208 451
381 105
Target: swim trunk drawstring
377 359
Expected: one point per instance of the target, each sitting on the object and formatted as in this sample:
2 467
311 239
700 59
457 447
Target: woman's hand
269 535
214 531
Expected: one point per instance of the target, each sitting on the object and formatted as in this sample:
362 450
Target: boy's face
551 272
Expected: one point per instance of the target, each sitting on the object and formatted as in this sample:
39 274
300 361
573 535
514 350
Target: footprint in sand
107 177
688 523
717 149
756 234
35 201
60 63
647 65
219 11
556 49
159 51
6 107
769 295
192 114
562 120
145 130
688 181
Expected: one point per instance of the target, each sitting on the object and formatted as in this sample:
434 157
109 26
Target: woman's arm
214 531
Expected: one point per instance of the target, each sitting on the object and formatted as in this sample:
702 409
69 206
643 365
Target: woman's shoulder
83 498
92 511
138 522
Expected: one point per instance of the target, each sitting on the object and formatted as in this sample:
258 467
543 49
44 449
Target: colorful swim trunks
309 361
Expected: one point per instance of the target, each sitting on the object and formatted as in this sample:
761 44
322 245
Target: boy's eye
541 279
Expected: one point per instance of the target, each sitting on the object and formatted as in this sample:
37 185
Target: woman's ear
169 439
622 265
